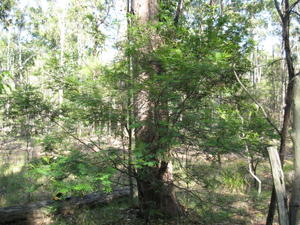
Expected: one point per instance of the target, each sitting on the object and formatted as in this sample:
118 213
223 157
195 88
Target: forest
155 112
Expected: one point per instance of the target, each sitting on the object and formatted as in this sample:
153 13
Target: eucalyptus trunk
154 179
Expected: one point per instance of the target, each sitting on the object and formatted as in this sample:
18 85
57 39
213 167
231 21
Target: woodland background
175 101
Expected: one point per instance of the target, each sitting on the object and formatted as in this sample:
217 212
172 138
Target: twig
257 103
252 173
278 9
295 12
293 6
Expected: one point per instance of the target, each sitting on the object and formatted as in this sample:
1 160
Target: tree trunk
156 193
129 112
154 178
284 15
282 149
295 199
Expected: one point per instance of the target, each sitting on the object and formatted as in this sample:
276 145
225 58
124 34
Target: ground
212 194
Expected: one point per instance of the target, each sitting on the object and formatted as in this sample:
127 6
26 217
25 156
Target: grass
223 194
117 212
226 194
13 181
17 187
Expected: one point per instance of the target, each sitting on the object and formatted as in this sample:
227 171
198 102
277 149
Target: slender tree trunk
129 108
295 199
62 30
284 15
178 11
282 149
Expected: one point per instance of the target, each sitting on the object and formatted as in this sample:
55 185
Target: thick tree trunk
155 182
154 178
156 194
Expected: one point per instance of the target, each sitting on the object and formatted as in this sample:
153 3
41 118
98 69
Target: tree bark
37 213
154 178
130 115
284 15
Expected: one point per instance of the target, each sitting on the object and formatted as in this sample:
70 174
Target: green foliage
73 173
3 86
204 174
25 101
5 7
26 111
14 187
54 89
186 71
213 177
51 142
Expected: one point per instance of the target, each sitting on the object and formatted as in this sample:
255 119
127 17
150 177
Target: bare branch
293 6
295 12
257 103
270 63
75 137
278 9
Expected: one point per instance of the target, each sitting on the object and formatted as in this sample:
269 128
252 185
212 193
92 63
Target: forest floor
212 194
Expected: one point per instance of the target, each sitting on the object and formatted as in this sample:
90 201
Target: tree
285 18
175 86
155 187
177 68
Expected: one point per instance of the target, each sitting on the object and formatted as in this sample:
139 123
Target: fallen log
42 212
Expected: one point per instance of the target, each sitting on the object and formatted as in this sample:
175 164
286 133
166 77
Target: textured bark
283 140
284 15
38 213
129 129
145 10
155 183
156 194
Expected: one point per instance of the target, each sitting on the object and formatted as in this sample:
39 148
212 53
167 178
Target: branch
252 172
295 12
25 62
270 63
257 103
181 108
293 6
75 137
278 9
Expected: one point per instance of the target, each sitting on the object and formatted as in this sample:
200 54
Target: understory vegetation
173 102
